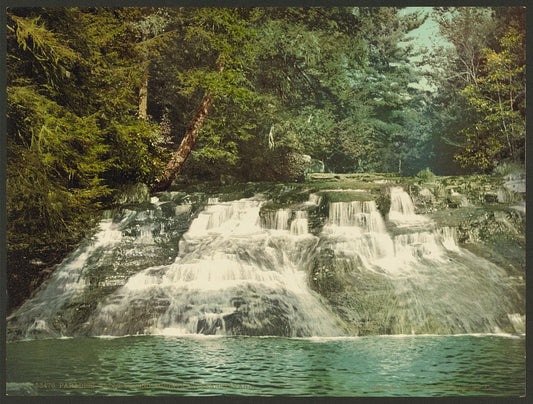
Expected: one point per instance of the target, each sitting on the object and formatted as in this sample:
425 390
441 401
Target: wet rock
209 326
264 316
491 197
456 200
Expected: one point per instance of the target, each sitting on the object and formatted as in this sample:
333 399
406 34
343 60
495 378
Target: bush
425 175
507 168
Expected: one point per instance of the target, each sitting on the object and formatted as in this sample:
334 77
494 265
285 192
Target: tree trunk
175 164
143 96
143 89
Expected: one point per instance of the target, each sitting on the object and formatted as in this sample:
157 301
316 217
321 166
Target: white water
356 229
227 261
120 239
66 282
402 209
420 280
300 224
237 270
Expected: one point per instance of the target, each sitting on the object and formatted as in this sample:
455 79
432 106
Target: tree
481 82
175 164
151 26
469 30
72 132
499 98
223 34
339 78
383 88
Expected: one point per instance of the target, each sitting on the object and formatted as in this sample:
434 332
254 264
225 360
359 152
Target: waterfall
402 209
239 268
314 199
124 242
414 280
300 224
68 281
232 276
356 229
277 220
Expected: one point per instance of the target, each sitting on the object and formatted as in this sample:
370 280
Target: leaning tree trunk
175 164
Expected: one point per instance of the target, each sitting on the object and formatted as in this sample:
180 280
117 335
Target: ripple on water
369 366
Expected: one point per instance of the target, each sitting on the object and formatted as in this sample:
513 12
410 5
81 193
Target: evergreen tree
73 135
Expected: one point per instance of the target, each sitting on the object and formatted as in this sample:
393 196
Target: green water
367 366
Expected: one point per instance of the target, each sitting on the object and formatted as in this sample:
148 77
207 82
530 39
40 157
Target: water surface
468 365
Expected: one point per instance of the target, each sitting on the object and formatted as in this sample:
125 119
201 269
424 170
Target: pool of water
467 365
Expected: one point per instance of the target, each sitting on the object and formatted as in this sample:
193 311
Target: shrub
507 168
425 175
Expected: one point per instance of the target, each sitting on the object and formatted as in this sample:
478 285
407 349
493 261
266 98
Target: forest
102 98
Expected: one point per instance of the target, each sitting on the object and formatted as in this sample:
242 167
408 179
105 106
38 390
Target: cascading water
402 209
300 224
414 281
126 241
232 276
234 268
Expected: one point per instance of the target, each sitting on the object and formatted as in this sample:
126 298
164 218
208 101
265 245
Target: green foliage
134 154
483 85
72 133
330 83
507 168
55 163
425 175
499 98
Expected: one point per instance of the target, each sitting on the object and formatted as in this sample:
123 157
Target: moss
295 194
454 217
345 184
367 181
346 196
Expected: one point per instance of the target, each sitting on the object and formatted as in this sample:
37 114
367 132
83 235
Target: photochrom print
266 201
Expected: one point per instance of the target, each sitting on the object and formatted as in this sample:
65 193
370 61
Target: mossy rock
383 203
294 195
325 181
454 201
346 196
